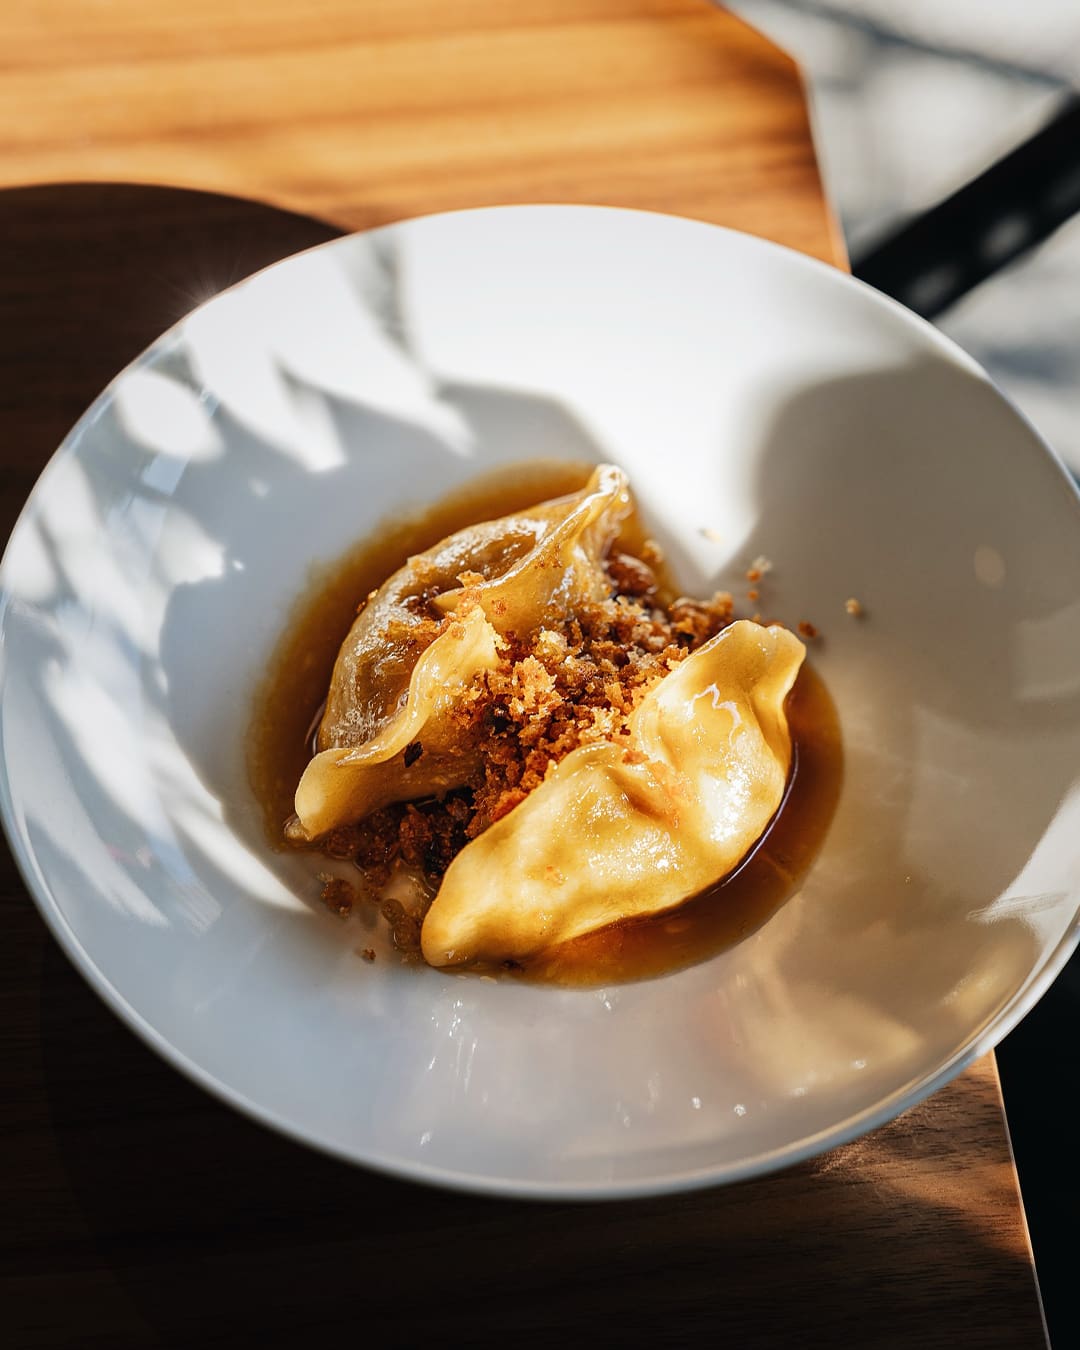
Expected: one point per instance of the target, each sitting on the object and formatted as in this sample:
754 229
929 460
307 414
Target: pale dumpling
619 831
391 689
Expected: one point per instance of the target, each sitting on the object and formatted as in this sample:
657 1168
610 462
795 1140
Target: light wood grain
367 112
137 1211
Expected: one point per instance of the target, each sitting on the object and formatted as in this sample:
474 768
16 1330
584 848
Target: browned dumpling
393 687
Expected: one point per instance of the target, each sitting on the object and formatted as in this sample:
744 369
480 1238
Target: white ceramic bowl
762 403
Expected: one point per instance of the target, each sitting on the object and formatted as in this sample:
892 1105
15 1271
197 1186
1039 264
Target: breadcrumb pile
554 690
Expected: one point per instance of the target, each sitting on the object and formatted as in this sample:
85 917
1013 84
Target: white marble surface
911 100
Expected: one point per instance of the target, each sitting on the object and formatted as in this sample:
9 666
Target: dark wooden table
134 142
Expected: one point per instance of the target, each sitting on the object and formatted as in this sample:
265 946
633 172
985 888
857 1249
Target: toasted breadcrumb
338 895
367 954
758 568
630 576
807 630
854 607
568 685
340 843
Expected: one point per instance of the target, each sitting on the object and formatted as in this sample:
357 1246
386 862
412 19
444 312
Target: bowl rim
993 1029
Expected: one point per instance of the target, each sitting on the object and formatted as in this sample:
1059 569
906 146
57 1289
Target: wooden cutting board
149 155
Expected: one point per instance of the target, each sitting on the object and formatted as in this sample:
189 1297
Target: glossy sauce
729 911
289 701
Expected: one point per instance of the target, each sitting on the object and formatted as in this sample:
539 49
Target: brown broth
290 698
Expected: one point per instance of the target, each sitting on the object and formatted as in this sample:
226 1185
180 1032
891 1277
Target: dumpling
388 734
558 747
620 831
344 783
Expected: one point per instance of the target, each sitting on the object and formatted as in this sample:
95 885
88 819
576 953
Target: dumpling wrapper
536 565
345 783
602 840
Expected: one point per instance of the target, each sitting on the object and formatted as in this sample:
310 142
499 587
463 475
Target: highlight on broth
539 756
